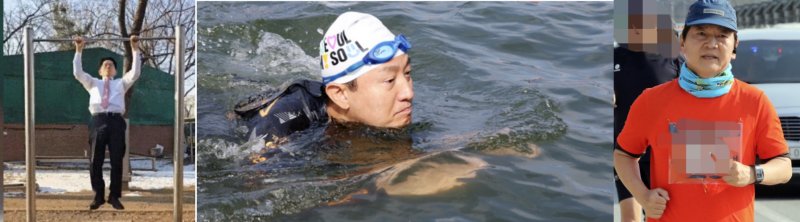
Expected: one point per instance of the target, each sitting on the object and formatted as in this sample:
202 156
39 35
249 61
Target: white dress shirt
117 87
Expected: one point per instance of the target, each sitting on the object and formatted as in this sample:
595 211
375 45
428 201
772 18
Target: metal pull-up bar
101 39
30 122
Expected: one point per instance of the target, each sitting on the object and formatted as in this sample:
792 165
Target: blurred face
708 49
652 33
107 69
642 29
383 96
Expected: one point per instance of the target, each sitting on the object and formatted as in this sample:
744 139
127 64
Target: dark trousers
107 130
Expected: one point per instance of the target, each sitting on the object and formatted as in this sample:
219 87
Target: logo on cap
714 11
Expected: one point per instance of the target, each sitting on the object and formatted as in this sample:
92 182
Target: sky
10 5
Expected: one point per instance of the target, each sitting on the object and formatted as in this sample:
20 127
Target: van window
768 61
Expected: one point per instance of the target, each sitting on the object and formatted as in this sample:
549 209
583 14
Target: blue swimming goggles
381 53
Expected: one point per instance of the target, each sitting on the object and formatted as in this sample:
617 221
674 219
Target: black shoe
96 204
115 203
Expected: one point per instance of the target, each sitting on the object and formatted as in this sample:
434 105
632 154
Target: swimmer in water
366 79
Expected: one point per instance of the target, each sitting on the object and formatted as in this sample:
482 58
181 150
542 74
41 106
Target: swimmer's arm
628 171
777 170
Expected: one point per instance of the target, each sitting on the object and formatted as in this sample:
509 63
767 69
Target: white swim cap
347 41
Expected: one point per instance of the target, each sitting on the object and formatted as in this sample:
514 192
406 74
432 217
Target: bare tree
165 15
138 20
66 18
30 13
160 18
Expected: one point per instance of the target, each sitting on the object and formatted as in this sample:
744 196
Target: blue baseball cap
714 12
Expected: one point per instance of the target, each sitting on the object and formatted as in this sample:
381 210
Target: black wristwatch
759 172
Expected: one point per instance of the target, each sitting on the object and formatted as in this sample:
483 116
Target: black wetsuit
296 108
633 73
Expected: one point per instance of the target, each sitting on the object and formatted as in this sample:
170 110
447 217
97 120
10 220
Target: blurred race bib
701 151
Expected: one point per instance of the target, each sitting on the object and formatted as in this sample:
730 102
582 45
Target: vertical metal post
3 148
2 127
178 134
30 120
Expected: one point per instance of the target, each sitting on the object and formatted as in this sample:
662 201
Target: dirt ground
148 206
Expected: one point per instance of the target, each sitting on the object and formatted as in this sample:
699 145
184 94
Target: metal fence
768 13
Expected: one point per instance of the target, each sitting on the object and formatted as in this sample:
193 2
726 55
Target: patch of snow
57 181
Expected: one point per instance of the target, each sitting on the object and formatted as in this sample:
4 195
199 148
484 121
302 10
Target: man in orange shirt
691 115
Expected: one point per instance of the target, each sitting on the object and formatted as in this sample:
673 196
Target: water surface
512 116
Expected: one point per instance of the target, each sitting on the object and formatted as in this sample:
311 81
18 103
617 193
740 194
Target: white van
770 60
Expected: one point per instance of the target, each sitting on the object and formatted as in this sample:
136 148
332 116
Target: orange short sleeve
769 135
633 138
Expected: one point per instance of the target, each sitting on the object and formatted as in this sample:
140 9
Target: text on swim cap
338 48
